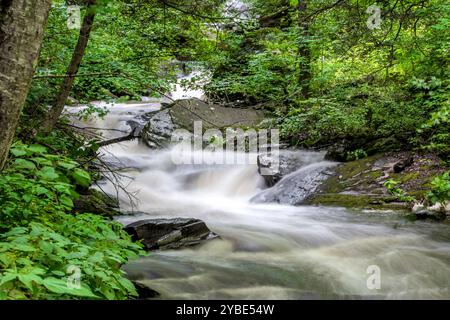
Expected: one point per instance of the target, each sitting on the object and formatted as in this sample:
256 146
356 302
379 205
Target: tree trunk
303 49
22 24
85 31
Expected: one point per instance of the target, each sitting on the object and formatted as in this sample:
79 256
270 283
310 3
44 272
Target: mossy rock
356 201
360 183
96 202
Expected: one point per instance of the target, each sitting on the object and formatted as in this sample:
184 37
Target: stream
267 251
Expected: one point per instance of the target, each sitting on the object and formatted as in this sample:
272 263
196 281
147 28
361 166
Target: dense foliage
324 75
381 88
41 240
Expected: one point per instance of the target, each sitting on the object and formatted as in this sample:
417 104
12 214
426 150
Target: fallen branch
133 135
108 74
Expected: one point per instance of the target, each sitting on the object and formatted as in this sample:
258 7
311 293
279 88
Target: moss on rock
94 201
360 183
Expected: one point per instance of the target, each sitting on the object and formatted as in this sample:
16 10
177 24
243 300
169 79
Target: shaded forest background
325 77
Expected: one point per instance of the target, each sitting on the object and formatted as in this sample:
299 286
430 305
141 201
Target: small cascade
269 248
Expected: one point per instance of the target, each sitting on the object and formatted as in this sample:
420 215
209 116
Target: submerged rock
169 233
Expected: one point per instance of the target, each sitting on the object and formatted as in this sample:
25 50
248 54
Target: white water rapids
269 251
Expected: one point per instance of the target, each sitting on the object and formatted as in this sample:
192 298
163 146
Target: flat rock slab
185 112
182 114
169 233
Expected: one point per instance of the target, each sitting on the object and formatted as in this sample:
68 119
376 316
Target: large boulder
360 183
158 131
295 187
169 233
288 161
183 113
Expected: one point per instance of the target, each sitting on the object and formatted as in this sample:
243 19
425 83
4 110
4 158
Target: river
268 251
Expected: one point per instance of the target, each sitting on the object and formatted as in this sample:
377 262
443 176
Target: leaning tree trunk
85 31
304 55
22 24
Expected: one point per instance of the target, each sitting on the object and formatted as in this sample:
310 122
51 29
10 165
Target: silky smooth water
268 251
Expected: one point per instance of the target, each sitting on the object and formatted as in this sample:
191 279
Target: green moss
405 177
97 202
356 201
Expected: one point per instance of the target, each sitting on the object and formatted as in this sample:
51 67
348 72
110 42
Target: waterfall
267 250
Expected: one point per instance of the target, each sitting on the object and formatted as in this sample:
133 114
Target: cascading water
269 250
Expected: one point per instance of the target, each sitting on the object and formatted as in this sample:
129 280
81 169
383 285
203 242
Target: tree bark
58 106
304 54
22 24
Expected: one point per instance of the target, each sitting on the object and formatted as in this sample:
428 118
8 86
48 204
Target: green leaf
60 286
69 165
42 161
18 152
58 273
24 164
41 190
27 198
7 277
24 247
28 279
128 285
81 177
37 148
66 201
48 173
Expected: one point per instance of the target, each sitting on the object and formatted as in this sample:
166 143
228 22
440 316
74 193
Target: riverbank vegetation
358 77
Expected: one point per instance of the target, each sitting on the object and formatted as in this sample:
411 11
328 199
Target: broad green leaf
7 277
81 177
18 152
28 279
61 286
69 165
42 190
48 173
24 164
42 161
37 148
66 201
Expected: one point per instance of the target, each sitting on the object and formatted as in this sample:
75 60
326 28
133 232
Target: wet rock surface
96 202
295 187
169 233
182 114
273 170
158 131
144 292
360 183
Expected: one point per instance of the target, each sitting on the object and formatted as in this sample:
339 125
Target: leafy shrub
393 189
34 260
440 189
438 130
41 239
